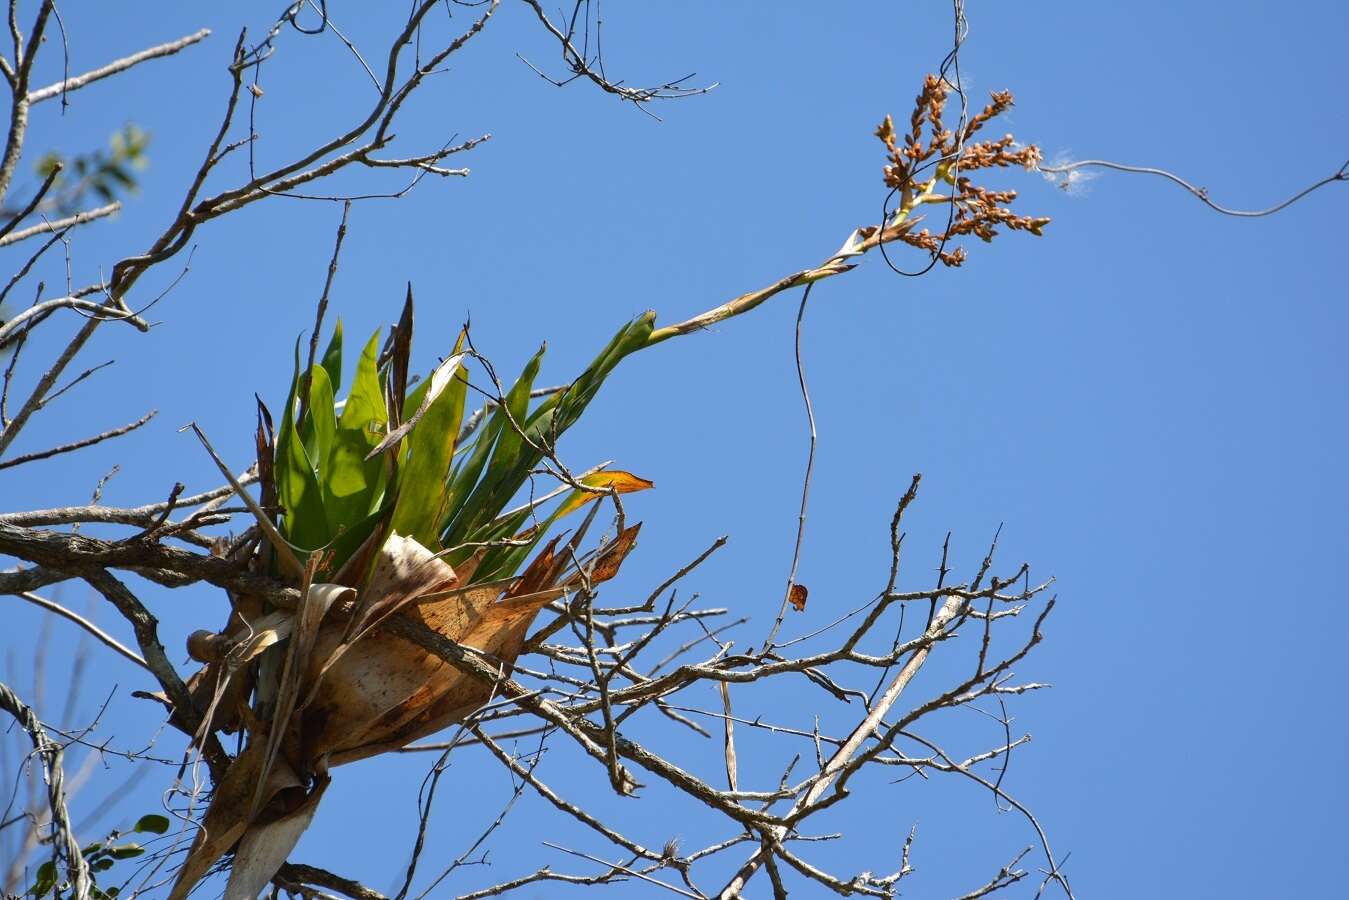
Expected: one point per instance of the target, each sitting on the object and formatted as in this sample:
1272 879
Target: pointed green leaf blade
352 486
332 358
423 481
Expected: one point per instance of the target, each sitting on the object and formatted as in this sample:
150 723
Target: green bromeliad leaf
478 519
320 421
340 478
353 486
332 358
483 498
297 485
505 561
423 488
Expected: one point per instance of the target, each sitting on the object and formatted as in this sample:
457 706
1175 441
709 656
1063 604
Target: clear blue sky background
1150 398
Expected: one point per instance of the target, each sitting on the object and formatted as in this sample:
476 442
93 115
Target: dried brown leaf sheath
354 691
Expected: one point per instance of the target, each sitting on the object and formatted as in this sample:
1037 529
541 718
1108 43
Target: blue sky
1148 400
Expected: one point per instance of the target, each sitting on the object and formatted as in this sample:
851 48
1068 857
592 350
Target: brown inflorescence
916 169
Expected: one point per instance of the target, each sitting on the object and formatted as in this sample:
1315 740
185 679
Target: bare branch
11 429
136 515
1007 875
17 581
99 633
79 218
843 755
618 867
169 566
78 445
33 204
38 311
116 66
591 68
296 875
146 628
18 115
551 796
64 843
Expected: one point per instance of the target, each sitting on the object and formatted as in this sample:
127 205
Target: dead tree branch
116 67
65 846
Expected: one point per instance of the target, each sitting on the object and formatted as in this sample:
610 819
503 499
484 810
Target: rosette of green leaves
387 458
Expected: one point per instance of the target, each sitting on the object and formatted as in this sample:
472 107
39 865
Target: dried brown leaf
225 821
264 847
402 571
539 572
393 692
731 769
454 695
612 556
317 600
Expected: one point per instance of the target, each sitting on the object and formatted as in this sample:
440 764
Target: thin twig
805 480
42 190
79 218
95 312
80 444
64 843
90 627
113 68
624 869
1340 174
322 308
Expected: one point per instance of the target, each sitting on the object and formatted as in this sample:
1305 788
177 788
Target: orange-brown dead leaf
622 482
797 597
612 556
536 574
393 692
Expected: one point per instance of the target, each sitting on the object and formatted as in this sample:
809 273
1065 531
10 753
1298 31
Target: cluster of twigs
612 673
597 674
594 676
48 754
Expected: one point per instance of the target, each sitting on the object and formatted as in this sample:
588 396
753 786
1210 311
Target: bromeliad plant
383 505
392 504
394 459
